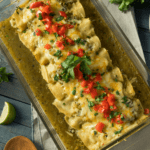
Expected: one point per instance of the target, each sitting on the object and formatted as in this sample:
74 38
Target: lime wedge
8 114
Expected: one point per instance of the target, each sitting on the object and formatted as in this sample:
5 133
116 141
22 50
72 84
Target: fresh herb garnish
40 16
46 32
3 75
117 92
95 132
39 25
32 11
102 73
56 35
81 93
74 91
125 101
56 78
64 104
112 125
122 117
59 18
125 4
119 131
99 87
27 7
100 98
90 104
71 62
52 41
116 80
33 33
58 54
51 14
24 31
95 114
111 107
80 41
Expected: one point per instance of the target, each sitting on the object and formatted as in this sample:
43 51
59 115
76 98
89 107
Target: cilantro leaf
3 75
119 131
58 54
59 18
99 87
90 104
100 98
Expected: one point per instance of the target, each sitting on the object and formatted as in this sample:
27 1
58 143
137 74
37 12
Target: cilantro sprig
119 131
3 75
58 54
71 62
90 104
125 4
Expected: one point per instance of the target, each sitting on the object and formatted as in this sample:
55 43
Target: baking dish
142 69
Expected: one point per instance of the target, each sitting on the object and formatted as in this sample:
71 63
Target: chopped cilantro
90 104
119 131
71 62
32 11
40 16
52 41
102 73
81 93
59 18
95 132
122 117
125 101
33 33
100 98
80 41
99 87
51 14
46 32
112 125
74 91
116 80
64 104
111 107
58 54
39 25
95 114
24 31
117 92
27 7
3 75
56 78
56 35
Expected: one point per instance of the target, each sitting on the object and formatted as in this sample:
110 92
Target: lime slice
8 114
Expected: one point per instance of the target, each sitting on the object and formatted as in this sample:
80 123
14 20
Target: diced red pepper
47 46
111 99
90 84
55 28
62 13
71 42
106 90
94 93
69 26
86 90
113 107
46 9
146 111
118 120
36 4
99 127
80 52
98 77
38 32
84 83
96 107
62 30
105 107
60 45
78 73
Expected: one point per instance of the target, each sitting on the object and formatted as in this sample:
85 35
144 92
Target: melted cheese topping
75 107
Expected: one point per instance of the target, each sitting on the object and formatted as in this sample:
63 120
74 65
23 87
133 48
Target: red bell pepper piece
38 32
80 52
36 4
105 107
96 107
111 99
99 127
71 42
98 77
62 31
60 45
55 28
62 13
46 9
94 93
146 111
78 73
69 26
84 83
86 90
118 120
47 46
